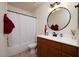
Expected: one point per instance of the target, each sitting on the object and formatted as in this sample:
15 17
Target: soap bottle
45 30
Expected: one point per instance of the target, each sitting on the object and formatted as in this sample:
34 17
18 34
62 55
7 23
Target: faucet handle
61 35
54 34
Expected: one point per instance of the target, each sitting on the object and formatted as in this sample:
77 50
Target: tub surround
49 46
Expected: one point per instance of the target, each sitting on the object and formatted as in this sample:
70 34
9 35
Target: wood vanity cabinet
50 48
42 48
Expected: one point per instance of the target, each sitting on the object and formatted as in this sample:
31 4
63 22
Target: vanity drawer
54 44
70 50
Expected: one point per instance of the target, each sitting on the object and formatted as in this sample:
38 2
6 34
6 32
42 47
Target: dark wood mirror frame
65 25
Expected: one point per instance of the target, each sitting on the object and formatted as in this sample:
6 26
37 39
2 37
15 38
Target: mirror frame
54 10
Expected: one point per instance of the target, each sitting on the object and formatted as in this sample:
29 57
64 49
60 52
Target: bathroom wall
3 41
42 13
13 8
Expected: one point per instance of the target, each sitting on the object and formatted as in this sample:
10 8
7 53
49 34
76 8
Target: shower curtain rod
20 13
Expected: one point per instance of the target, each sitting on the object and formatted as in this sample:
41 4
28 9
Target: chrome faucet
54 34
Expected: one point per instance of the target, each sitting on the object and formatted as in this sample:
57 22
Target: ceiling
29 6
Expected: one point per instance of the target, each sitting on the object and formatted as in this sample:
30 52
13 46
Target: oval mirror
59 18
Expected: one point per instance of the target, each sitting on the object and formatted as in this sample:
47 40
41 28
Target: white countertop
73 42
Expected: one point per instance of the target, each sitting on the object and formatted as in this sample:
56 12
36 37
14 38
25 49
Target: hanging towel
8 25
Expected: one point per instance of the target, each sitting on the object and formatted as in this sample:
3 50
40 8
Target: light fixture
77 5
53 4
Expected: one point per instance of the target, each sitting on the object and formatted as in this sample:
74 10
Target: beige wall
13 8
3 42
42 13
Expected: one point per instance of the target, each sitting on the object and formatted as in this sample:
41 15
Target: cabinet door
70 50
54 49
42 48
54 52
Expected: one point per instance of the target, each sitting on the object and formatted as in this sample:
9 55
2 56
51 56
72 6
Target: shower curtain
23 34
